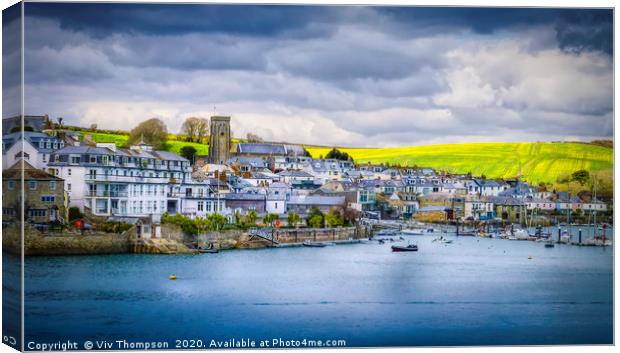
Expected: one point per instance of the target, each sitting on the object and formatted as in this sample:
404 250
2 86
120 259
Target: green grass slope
172 144
539 161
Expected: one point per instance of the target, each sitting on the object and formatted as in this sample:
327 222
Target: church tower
219 140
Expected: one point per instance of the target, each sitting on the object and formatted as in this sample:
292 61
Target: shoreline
172 242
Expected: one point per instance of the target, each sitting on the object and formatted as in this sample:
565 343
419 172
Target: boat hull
404 248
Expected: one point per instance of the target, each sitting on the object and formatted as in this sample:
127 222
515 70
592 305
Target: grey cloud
354 86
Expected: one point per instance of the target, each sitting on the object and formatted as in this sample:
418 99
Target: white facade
107 182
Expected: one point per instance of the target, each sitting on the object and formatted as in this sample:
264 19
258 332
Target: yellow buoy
173 277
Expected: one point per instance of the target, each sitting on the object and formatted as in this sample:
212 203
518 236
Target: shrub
115 227
75 213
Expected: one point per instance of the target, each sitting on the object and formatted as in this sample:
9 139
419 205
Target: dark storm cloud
341 75
584 29
11 60
174 19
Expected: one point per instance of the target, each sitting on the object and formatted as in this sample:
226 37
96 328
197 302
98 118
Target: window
11 184
276 205
37 213
69 172
32 184
43 156
53 185
93 159
69 187
201 206
48 199
23 155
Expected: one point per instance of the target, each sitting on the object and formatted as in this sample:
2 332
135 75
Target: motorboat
413 231
401 248
521 234
443 240
386 232
314 244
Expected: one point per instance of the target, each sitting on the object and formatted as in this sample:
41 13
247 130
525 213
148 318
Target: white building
107 181
32 147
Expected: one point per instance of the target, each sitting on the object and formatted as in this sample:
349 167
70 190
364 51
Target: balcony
104 193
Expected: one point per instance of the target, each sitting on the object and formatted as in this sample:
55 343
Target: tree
293 219
188 152
581 176
270 218
152 132
351 215
315 221
195 128
317 215
216 221
334 218
250 218
339 155
253 137
75 213
203 129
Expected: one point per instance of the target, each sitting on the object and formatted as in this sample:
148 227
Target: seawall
37 244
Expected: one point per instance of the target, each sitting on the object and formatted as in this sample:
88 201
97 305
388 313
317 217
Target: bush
334 219
214 221
75 213
115 227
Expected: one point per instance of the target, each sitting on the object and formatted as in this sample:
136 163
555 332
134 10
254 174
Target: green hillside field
539 161
172 145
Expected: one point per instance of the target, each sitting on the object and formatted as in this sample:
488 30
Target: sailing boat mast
594 208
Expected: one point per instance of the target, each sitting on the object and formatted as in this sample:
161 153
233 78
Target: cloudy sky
347 76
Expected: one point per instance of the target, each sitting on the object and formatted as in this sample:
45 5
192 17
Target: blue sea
475 291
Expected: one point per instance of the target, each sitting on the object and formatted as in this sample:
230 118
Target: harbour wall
66 243
172 240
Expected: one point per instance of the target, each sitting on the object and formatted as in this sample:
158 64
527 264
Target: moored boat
413 231
314 244
400 248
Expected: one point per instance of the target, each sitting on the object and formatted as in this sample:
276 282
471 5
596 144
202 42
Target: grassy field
172 145
539 161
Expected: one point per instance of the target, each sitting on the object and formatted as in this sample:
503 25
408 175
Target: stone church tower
219 141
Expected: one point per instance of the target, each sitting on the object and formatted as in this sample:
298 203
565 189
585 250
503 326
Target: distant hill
539 161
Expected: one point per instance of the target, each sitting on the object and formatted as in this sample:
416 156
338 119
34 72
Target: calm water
476 291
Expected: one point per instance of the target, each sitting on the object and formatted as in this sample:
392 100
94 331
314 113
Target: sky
330 75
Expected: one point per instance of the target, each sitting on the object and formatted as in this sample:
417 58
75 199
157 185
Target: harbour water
475 291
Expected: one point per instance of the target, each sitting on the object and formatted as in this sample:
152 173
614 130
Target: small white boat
413 231
521 234
443 240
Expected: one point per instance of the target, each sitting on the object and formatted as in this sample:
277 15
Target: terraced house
107 181
44 196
